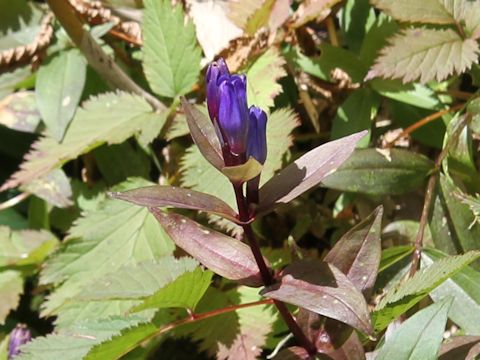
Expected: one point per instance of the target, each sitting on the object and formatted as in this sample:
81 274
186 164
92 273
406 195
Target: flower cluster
241 130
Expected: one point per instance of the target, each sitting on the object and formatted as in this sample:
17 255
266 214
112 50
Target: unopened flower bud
257 134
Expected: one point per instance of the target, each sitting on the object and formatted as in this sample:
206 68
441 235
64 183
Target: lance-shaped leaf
160 196
357 254
203 134
307 171
222 254
322 288
420 336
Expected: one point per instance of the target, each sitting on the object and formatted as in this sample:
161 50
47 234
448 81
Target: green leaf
464 230
425 54
25 247
19 111
118 162
11 287
419 337
413 94
199 175
168 282
101 242
392 255
427 11
380 172
356 114
54 188
356 19
77 341
408 293
58 89
463 287
109 118
262 79
171 55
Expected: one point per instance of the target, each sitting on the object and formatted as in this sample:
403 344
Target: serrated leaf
307 171
380 172
58 89
199 175
426 11
171 55
357 253
263 75
425 54
109 118
101 242
11 287
25 247
75 343
419 337
312 10
162 196
222 254
410 292
463 287
322 288
168 282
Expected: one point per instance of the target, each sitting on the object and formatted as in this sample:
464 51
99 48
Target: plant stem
430 190
424 121
14 201
266 274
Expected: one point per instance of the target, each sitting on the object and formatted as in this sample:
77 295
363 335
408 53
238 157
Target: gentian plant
234 141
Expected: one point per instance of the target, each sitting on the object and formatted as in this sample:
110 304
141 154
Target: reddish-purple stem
267 277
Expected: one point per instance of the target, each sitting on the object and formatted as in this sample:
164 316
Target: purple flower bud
233 119
215 71
19 336
257 134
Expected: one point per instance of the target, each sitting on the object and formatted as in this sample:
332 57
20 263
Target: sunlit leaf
425 54
420 336
410 292
11 287
110 118
306 172
101 242
58 90
171 55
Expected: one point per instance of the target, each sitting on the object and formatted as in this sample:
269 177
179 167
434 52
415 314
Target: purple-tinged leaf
307 171
352 349
357 254
244 172
327 334
222 254
458 347
160 196
322 288
203 134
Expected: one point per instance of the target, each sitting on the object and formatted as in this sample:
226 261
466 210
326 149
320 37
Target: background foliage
89 103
